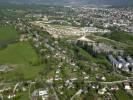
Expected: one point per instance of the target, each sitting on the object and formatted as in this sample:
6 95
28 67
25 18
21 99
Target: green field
23 58
120 37
122 95
8 33
21 52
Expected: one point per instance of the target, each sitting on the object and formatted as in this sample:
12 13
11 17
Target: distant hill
70 2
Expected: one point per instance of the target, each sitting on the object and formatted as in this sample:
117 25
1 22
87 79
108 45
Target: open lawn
8 33
21 52
122 95
122 37
22 96
23 58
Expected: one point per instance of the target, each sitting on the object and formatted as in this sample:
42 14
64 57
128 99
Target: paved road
15 87
77 93
113 82
56 96
32 83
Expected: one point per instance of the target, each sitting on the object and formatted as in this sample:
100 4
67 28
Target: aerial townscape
66 52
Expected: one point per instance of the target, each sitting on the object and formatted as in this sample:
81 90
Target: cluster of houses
70 83
106 17
10 91
69 31
41 94
125 64
95 30
127 86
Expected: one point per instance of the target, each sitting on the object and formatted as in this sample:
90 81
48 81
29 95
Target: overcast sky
108 2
